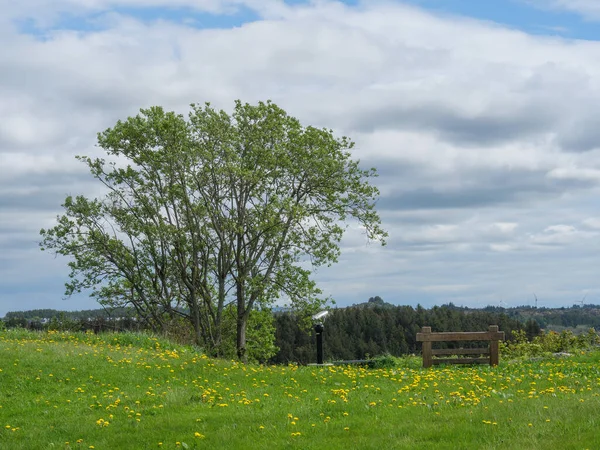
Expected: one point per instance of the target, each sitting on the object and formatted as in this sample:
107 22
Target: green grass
136 392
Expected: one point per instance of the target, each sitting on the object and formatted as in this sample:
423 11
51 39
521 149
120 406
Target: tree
532 329
377 300
213 212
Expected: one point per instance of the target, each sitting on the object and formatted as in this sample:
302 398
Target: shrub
64 323
386 361
547 343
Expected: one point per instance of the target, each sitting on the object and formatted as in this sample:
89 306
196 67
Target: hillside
127 391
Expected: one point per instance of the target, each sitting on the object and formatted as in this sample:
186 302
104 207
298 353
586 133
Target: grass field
77 391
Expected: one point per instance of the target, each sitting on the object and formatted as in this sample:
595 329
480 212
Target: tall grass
129 391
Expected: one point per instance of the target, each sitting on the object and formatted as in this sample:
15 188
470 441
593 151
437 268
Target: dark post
319 331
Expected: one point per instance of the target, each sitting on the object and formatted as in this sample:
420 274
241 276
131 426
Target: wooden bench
492 335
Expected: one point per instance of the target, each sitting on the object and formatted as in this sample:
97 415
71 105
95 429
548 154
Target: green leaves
213 211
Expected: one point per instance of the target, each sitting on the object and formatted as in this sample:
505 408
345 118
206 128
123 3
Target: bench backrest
492 335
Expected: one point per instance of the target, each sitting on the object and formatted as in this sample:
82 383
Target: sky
482 118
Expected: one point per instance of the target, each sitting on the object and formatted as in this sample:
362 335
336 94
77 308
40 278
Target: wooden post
494 358
427 357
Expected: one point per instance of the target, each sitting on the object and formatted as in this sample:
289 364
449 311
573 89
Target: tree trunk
219 319
195 316
241 338
242 322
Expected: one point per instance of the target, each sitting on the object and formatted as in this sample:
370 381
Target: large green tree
212 213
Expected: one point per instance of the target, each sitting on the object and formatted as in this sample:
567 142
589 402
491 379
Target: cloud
485 137
47 15
589 9
592 222
561 234
575 173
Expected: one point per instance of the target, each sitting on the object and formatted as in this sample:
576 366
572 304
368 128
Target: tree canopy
213 215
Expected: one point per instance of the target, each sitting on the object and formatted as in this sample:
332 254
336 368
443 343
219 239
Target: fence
492 335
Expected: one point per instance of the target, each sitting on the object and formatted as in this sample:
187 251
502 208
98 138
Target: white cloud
485 137
47 14
506 227
560 229
589 9
502 247
574 173
561 235
592 222
17 164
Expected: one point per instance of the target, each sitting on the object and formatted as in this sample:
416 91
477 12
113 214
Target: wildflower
199 435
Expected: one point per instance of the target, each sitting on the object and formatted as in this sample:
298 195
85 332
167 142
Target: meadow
84 391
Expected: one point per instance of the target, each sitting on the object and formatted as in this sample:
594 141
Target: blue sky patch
100 20
516 14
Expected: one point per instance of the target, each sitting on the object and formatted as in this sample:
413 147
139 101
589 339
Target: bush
386 361
64 323
547 343
260 336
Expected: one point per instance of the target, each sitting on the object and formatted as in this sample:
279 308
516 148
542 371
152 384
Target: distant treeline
356 332
585 315
73 315
97 320
368 330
